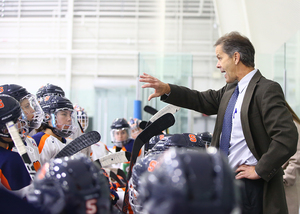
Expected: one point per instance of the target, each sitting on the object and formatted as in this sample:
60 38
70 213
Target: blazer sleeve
206 102
282 136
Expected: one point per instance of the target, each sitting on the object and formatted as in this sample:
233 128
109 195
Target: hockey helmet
206 138
185 140
145 164
10 110
154 140
31 110
189 182
49 89
70 185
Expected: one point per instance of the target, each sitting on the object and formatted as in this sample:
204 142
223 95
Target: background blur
95 50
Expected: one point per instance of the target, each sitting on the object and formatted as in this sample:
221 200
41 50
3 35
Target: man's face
121 135
226 65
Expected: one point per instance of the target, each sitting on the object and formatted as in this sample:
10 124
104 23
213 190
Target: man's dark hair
235 42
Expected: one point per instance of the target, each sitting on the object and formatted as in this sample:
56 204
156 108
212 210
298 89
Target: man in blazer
263 134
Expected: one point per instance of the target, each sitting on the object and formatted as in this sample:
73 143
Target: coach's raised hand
160 87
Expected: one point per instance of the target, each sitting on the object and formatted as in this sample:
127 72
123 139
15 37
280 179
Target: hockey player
13 173
186 141
120 135
58 125
71 185
134 127
32 116
11 203
98 149
189 182
31 110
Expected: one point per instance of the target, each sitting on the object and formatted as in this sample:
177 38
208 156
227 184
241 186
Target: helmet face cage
145 164
63 121
83 120
82 117
133 197
21 126
120 137
32 111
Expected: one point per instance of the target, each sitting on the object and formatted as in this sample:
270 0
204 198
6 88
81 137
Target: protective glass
64 120
32 111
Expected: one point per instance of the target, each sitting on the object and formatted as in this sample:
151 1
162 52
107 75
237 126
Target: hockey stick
21 148
122 174
155 128
79 143
113 158
114 176
150 110
167 109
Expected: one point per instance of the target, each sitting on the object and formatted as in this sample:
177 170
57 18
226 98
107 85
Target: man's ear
237 57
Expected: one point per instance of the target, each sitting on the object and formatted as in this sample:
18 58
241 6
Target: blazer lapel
244 112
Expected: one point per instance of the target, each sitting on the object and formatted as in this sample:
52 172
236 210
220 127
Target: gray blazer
267 125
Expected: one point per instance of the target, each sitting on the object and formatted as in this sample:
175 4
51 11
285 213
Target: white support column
69 48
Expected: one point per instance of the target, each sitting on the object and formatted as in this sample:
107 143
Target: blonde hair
295 117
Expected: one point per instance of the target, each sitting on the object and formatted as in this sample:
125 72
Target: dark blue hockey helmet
154 140
189 182
49 89
185 140
206 138
70 185
31 110
10 110
145 164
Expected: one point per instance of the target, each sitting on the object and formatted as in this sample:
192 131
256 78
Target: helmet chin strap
10 144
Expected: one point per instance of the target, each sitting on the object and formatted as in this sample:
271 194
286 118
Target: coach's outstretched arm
160 87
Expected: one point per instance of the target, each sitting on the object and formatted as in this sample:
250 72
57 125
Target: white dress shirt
239 152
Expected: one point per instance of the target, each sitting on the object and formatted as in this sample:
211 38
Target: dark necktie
227 122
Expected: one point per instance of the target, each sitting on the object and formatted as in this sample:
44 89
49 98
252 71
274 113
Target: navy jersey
11 203
13 173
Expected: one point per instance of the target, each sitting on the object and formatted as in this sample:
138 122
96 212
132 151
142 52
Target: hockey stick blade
21 148
155 128
118 157
117 179
79 143
121 173
150 110
167 109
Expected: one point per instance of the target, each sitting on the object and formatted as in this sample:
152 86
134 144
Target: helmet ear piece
47 117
